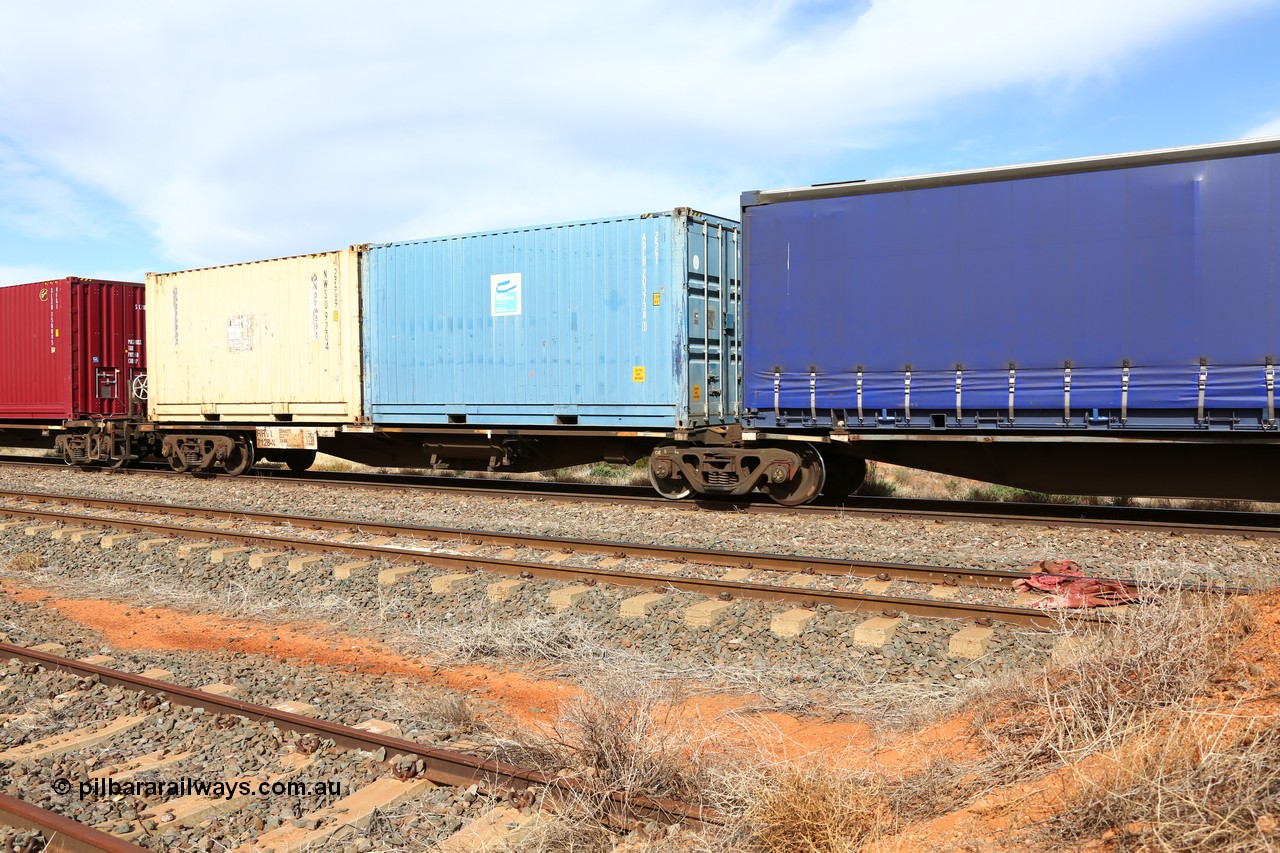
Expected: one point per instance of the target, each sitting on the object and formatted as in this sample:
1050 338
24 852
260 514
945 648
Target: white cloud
239 129
27 274
36 204
1269 128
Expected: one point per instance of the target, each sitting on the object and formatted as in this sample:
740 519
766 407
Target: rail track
1209 522
404 768
805 582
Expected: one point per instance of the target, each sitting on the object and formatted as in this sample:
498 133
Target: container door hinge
859 394
1124 392
1066 393
959 383
1013 384
1203 381
906 393
1271 391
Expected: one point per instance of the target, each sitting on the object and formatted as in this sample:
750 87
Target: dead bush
24 561
622 738
1180 789
810 809
627 736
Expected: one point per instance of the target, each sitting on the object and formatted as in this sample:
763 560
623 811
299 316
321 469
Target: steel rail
794 564
61 834
839 600
441 766
945 575
1146 519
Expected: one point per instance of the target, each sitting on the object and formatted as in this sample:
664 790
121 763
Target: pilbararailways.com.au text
187 787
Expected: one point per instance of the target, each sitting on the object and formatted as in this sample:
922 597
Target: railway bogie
113 443
791 476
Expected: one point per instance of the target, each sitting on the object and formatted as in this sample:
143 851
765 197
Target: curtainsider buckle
959 382
1204 380
906 394
777 390
813 392
1271 391
1066 393
1124 392
859 394
1013 382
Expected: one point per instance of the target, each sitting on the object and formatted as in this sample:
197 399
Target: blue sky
160 136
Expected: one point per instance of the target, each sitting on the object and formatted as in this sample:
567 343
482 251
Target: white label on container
240 333
504 294
175 318
697 263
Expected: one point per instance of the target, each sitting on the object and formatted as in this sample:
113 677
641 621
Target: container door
711 273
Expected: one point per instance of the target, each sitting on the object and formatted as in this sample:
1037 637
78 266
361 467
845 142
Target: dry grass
556 639
1180 787
1106 683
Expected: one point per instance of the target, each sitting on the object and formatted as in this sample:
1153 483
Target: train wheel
66 455
177 463
844 476
666 480
240 460
117 462
300 460
805 485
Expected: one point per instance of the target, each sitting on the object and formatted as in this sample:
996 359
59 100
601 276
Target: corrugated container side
580 323
1103 289
69 348
267 341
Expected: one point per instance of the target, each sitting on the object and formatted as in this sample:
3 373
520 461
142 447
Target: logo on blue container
504 294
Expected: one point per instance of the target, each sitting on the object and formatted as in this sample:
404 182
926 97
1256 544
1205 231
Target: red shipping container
69 349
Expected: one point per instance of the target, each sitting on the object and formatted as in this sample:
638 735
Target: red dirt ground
130 627
533 702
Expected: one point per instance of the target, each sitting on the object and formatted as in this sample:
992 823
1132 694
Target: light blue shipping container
623 323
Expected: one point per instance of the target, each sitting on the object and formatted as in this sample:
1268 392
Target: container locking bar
1124 392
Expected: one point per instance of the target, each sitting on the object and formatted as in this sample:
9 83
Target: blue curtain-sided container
1133 291
628 322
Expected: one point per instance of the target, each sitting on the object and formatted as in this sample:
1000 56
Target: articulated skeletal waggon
1105 326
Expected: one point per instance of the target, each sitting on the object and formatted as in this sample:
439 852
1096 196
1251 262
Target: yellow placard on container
697 392
657 299
637 374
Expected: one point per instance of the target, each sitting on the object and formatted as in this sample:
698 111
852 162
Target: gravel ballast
906 540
